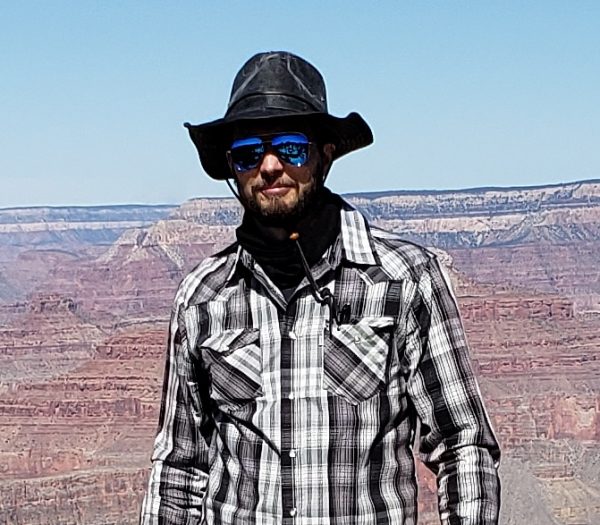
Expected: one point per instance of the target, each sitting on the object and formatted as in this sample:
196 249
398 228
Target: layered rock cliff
81 355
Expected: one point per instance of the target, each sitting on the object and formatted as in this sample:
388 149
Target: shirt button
293 512
292 453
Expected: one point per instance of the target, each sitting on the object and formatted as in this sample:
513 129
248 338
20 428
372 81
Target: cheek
308 179
245 186
306 176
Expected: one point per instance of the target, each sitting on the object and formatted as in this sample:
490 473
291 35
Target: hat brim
212 139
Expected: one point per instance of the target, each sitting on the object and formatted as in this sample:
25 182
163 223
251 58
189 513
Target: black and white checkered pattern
271 416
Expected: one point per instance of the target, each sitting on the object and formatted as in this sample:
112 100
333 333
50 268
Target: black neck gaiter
279 258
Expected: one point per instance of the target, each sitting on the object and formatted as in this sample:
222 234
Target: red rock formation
76 446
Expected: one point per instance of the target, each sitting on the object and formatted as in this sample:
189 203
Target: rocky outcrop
98 497
43 337
34 241
76 445
498 307
571 270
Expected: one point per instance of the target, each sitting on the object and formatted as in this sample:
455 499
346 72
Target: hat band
270 104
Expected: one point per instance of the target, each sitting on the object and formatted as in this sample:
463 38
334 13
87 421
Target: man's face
275 189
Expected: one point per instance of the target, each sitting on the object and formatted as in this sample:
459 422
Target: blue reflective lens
291 148
246 153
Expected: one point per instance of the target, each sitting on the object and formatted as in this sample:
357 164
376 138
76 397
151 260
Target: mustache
275 184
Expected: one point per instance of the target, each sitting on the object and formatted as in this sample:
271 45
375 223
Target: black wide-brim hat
276 87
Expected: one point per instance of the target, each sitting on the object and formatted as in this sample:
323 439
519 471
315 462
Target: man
305 359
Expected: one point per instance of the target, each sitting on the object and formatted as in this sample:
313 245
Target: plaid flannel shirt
269 415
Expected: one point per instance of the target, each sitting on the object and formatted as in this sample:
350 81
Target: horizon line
362 194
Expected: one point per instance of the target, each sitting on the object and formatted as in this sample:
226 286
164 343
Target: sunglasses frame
266 141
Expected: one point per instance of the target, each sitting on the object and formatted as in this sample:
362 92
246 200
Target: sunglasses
291 148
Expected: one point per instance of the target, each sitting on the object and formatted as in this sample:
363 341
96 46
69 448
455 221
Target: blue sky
459 94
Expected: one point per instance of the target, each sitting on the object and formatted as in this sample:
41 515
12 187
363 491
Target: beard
277 213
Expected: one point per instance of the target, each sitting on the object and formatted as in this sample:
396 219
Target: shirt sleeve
179 474
456 439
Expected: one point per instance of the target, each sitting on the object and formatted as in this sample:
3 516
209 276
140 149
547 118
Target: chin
287 208
279 210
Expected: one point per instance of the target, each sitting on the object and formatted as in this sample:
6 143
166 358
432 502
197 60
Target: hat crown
274 88
277 80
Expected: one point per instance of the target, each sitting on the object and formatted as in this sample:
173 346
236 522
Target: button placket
291 453
292 456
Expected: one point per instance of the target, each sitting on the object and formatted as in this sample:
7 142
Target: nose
270 164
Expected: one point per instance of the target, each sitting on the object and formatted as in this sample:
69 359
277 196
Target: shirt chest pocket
355 358
233 360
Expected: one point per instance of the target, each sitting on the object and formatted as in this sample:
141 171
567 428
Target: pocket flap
228 341
384 321
365 332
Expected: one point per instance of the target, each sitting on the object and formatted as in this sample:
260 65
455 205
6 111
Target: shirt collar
357 242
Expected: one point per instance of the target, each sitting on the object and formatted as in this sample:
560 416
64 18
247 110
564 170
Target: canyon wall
84 327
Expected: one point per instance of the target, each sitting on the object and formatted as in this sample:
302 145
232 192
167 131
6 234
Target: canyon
85 295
